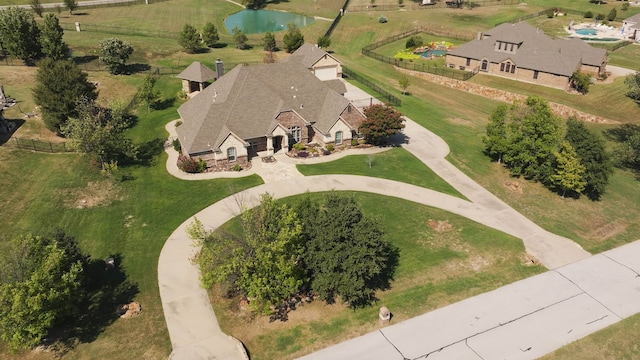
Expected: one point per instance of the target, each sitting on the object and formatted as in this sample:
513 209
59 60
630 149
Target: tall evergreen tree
269 42
189 39
210 35
239 38
20 34
293 39
591 150
51 38
59 87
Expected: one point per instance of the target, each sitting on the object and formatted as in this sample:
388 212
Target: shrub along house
264 108
522 52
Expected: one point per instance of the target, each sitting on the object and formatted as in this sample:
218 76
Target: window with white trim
231 154
339 138
296 134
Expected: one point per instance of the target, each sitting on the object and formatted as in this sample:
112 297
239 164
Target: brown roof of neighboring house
197 72
309 55
247 99
536 51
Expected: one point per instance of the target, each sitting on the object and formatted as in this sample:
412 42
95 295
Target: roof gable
197 72
247 100
309 55
536 51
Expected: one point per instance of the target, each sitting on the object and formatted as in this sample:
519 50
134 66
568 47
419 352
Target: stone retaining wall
506 96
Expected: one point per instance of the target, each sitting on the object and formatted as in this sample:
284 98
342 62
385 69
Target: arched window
231 154
339 138
485 65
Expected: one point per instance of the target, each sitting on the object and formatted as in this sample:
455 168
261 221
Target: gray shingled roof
197 72
633 19
309 55
536 52
247 99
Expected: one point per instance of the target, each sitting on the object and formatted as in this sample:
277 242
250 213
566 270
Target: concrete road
523 320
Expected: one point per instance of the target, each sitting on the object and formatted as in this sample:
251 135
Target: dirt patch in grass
96 193
462 122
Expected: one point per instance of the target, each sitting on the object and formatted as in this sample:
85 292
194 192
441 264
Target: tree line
532 142
324 247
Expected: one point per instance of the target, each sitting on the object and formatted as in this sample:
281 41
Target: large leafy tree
627 151
59 87
534 134
293 39
591 150
263 263
496 141
239 38
632 82
347 254
41 284
115 53
382 121
210 35
51 38
71 5
20 34
98 133
189 39
569 172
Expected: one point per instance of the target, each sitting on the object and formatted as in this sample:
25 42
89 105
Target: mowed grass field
136 216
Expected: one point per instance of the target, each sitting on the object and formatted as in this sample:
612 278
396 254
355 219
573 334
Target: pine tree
189 39
269 42
293 39
20 34
210 35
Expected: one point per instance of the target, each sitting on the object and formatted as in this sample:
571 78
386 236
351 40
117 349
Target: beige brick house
265 108
522 52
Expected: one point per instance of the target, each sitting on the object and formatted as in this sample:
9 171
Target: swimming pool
590 32
430 53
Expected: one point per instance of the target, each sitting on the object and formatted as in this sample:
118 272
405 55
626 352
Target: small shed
195 77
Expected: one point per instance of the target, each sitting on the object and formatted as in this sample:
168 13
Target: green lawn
395 164
135 217
443 258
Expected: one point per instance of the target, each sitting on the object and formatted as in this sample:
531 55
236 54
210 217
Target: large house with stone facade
521 52
265 108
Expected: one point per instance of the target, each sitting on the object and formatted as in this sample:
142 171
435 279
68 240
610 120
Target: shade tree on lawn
114 53
382 121
51 38
20 35
569 172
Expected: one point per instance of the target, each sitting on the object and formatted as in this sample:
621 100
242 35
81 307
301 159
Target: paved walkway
192 324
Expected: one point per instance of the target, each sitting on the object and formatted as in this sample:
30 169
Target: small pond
261 21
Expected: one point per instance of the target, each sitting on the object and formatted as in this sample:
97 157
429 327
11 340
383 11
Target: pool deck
603 32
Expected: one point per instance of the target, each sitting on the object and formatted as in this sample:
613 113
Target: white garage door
329 73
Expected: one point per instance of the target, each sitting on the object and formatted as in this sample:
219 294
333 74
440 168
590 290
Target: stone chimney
219 69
